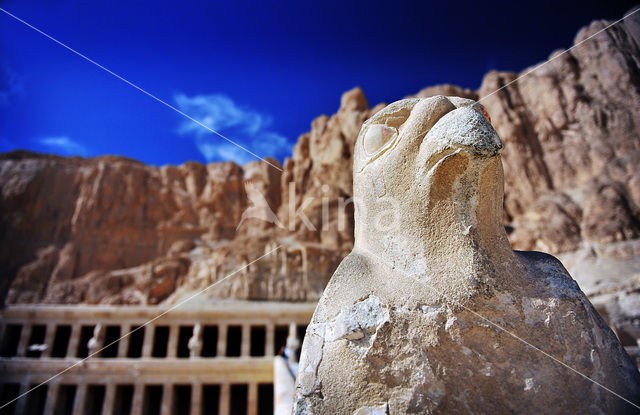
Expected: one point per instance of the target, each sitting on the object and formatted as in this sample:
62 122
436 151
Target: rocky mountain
112 230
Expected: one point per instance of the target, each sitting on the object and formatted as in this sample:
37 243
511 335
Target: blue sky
257 72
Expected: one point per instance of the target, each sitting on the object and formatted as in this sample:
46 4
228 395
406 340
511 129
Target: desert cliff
112 230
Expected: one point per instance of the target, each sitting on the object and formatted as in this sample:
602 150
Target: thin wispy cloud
247 127
64 145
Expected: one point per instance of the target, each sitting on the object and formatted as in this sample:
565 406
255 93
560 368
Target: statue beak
467 129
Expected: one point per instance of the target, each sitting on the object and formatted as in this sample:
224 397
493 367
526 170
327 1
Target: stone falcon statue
432 311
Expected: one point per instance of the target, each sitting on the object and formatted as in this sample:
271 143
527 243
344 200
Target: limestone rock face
572 135
319 172
112 230
426 314
572 146
71 226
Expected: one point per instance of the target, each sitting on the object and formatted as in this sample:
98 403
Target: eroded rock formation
111 230
420 316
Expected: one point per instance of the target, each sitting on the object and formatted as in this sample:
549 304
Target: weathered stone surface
113 231
572 146
571 186
319 172
421 316
572 134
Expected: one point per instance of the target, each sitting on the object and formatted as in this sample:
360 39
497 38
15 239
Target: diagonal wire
369 252
547 354
191 297
240 146
225 138
138 88
245 149
535 68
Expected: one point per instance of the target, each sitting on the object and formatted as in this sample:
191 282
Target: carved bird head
433 164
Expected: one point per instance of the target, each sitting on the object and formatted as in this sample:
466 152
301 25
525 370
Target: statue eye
377 136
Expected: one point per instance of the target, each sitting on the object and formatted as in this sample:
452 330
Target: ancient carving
421 316
195 342
572 187
95 343
293 344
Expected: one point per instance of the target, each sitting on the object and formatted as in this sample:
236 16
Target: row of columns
147 347
221 346
48 339
166 408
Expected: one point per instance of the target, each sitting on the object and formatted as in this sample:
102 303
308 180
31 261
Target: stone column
52 395
147 345
24 339
269 339
74 340
196 398
172 347
123 344
245 345
293 344
225 395
21 402
138 396
109 396
48 339
252 399
167 399
222 340
283 386
78 401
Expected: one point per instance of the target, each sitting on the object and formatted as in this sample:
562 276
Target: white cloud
64 145
249 129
